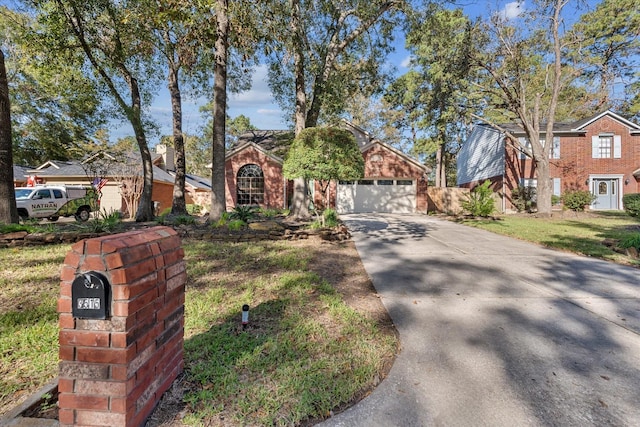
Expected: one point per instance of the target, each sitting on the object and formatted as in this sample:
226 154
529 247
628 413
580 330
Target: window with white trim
606 146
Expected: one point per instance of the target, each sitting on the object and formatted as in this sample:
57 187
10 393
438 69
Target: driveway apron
496 331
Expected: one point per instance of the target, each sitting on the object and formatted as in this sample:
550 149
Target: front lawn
305 352
582 233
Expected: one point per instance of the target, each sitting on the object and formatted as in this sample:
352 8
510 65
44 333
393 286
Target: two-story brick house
600 154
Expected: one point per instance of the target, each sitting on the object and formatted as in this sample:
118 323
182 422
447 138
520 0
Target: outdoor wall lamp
626 181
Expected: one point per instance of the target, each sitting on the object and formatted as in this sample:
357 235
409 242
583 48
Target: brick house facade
393 181
600 154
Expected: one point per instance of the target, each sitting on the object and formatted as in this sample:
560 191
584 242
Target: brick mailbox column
114 370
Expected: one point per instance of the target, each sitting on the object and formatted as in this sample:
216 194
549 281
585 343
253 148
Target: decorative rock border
256 231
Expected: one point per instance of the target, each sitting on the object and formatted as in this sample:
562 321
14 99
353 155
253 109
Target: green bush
479 202
523 198
236 224
555 200
631 204
631 241
243 212
193 209
577 200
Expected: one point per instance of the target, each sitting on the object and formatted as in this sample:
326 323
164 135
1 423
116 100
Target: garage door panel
362 198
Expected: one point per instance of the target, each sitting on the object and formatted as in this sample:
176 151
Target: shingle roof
276 142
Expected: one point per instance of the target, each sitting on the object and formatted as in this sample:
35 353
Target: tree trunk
178 205
218 200
8 210
145 211
300 201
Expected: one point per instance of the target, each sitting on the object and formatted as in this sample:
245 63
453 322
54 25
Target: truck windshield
23 193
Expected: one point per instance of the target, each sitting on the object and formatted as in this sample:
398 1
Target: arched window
250 189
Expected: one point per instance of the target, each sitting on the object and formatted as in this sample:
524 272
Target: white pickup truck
52 202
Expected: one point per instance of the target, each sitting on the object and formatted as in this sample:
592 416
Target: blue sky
258 104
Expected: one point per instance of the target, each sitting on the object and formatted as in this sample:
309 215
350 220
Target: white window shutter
595 147
617 146
556 187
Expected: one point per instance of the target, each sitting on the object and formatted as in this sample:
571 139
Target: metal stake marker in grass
245 316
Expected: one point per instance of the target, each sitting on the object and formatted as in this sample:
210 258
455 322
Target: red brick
64 305
72 259
119 372
105 355
155 248
67 321
121 405
112 245
66 416
118 277
65 289
93 247
68 273
84 338
92 262
136 254
65 385
119 340
113 261
131 290
78 401
66 352
85 371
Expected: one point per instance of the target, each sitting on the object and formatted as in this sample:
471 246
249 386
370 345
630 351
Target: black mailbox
90 296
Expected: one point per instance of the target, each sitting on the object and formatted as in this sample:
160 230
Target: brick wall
114 371
274 183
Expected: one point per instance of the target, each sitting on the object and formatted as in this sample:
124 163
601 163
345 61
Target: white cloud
406 62
513 10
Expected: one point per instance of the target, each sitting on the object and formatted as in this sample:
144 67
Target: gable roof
276 143
20 173
397 152
577 126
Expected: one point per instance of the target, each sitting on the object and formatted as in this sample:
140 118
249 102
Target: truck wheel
82 214
23 215
53 218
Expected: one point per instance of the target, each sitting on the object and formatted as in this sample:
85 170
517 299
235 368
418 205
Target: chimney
168 155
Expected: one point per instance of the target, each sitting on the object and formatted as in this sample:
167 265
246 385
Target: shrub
479 202
243 212
631 241
193 209
631 204
555 200
236 224
523 198
330 218
577 200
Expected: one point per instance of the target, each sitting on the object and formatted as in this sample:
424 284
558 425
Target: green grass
304 353
29 287
582 235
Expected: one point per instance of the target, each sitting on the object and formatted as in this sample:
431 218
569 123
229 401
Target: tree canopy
324 154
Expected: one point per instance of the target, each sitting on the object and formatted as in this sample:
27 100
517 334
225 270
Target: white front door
606 192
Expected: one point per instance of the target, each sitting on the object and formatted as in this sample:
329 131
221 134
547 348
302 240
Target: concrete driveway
498 332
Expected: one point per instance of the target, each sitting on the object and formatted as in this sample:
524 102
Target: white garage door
376 195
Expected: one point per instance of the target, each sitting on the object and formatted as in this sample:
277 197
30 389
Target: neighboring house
20 175
393 181
76 172
600 154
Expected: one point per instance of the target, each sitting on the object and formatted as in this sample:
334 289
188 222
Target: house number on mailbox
90 296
